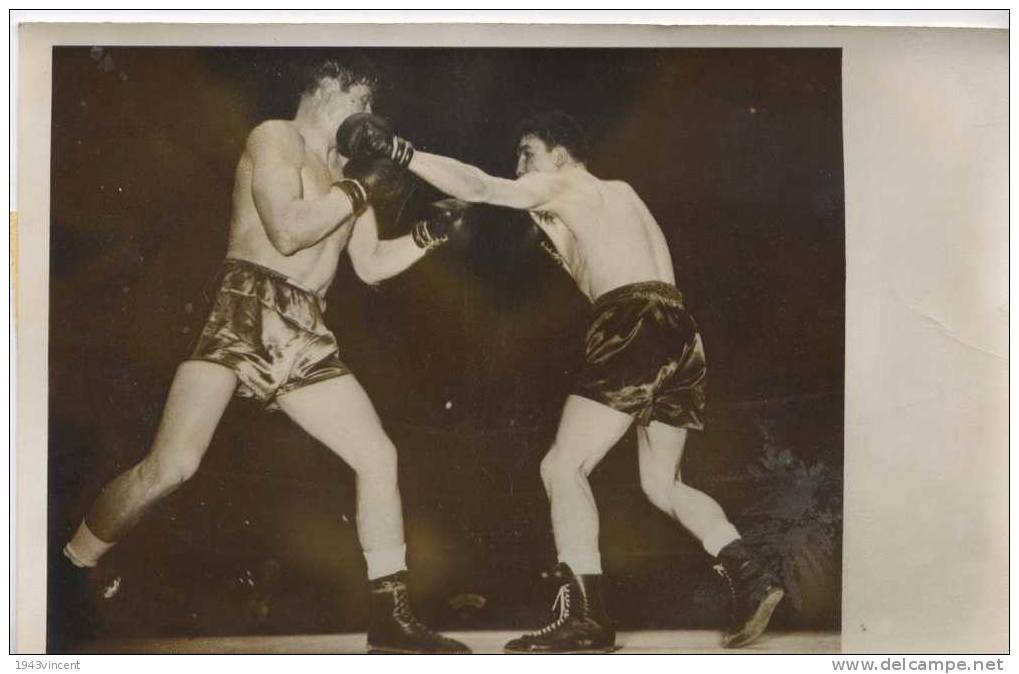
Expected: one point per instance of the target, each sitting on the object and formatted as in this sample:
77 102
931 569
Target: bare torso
313 267
606 234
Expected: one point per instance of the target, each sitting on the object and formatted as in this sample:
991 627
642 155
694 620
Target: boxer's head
549 141
336 89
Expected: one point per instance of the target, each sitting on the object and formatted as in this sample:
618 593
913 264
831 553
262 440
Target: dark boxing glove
355 192
550 250
366 135
535 235
381 180
444 219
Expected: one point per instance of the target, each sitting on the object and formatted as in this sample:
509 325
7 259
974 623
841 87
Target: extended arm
291 222
533 191
368 136
376 260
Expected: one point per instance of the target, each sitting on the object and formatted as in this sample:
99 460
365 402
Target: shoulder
541 188
276 136
622 186
541 178
626 190
560 184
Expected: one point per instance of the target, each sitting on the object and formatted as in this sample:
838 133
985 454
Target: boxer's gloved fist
366 135
443 220
381 180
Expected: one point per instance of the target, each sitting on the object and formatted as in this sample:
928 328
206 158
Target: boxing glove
382 180
364 135
443 220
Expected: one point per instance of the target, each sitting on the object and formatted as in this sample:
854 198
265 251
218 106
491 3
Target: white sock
85 548
719 538
582 562
385 562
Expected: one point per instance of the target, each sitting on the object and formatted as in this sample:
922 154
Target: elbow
367 272
370 278
281 227
285 244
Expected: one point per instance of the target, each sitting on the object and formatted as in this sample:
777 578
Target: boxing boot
581 624
84 601
753 594
394 628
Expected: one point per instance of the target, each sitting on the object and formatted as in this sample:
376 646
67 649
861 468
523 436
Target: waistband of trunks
268 271
646 290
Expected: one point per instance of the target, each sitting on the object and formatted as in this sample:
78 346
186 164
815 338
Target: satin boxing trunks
644 356
269 330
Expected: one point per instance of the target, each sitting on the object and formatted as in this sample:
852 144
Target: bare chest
316 177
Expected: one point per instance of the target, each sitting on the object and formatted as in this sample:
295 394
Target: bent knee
377 462
168 472
661 487
558 465
659 491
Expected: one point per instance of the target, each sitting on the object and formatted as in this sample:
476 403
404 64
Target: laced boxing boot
581 624
753 591
393 626
84 601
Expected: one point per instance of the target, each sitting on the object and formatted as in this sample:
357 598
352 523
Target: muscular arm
375 260
291 222
463 181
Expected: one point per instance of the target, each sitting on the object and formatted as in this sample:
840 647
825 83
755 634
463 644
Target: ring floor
649 641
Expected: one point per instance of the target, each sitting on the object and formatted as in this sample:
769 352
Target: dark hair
348 71
556 129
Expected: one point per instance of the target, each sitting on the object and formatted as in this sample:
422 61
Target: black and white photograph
373 340
401 349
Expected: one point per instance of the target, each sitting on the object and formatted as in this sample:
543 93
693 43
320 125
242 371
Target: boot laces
562 604
403 611
721 570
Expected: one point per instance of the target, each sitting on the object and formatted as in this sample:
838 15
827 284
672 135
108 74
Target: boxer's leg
587 431
754 592
198 396
660 449
338 413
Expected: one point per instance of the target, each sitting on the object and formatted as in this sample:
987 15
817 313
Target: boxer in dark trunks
644 362
297 204
644 356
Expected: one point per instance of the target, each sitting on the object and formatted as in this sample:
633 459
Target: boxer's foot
581 624
753 593
395 629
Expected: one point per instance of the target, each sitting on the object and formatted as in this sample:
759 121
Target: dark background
468 356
